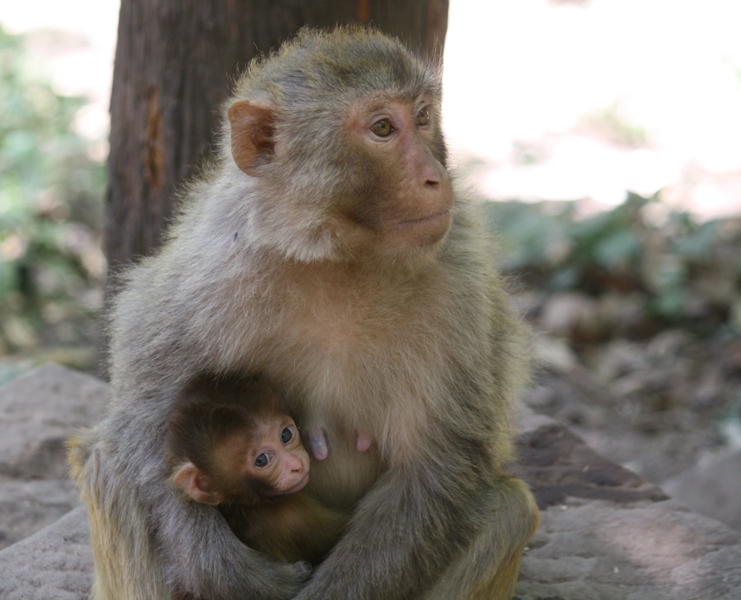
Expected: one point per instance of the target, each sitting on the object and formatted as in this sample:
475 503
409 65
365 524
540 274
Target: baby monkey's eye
287 435
382 128
262 460
423 116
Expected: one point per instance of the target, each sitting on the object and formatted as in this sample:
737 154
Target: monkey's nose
297 466
433 173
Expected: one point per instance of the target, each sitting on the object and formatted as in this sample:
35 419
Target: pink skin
295 468
294 488
364 442
318 443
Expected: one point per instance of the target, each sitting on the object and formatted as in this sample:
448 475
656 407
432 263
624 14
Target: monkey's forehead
339 65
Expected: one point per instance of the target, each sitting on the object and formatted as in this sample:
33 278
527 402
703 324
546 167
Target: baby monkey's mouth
299 486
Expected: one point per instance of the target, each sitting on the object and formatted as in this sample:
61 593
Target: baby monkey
230 444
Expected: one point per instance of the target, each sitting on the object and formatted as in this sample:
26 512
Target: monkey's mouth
299 486
412 222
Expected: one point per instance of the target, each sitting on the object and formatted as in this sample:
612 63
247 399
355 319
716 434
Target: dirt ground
657 407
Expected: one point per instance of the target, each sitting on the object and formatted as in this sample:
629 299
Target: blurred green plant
51 190
689 273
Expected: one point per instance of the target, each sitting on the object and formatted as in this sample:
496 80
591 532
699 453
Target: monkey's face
346 150
270 460
399 196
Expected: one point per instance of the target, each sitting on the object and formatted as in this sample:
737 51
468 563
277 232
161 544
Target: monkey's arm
299 528
188 534
406 531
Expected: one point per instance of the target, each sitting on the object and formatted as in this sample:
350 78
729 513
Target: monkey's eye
287 435
423 116
262 460
382 128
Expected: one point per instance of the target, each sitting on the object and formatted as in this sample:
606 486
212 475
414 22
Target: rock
27 506
606 533
554 354
601 550
572 316
53 564
558 465
38 411
712 488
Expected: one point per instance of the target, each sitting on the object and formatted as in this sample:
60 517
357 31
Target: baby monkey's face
270 457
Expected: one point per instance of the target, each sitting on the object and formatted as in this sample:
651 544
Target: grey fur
423 353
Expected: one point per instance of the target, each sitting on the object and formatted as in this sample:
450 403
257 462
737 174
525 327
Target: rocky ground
637 320
666 409
606 533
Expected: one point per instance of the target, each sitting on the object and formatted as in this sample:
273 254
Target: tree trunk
174 62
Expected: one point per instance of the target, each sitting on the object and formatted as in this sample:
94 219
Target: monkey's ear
191 480
252 135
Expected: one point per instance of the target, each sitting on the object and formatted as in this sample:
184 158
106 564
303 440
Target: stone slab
38 411
601 550
712 488
27 506
53 564
606 533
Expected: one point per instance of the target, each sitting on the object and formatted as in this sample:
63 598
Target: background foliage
673 270
51 190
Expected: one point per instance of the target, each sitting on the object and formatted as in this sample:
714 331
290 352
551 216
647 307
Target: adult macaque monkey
327 251
231 444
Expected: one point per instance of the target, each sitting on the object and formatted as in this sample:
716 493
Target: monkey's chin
440 219
427 231
299 486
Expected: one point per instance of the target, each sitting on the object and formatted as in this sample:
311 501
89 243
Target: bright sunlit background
554 100
575 100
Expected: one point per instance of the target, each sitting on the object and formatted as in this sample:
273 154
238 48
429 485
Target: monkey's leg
488 568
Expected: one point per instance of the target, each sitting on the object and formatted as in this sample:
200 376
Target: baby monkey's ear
193 482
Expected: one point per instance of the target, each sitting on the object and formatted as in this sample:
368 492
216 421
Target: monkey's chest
355 361
363 371
355 340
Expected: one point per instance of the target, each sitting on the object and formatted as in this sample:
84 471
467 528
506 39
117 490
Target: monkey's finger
303 570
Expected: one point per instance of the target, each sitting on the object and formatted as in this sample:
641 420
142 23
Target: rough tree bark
174 62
